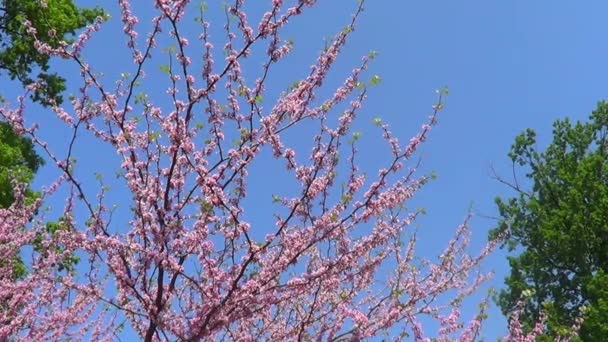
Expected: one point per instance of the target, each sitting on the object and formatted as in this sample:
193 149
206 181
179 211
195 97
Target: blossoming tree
187 262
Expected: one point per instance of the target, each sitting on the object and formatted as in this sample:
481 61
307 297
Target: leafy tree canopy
559 222
18 56
18 161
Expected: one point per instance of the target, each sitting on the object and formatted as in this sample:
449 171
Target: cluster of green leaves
18 161
69 261
559 222
19 58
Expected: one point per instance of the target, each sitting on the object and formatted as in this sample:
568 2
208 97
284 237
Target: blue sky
509 65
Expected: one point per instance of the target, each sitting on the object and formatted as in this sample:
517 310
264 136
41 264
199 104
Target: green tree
18 162
59 20
558 221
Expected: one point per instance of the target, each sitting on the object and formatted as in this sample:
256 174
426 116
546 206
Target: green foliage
18 55
596 327
18 161
69 261
375 80
560 225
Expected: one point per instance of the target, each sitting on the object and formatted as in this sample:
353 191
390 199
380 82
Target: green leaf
152 136
206 207
443 91
375 80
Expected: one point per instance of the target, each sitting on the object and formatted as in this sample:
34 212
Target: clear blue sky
509 65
